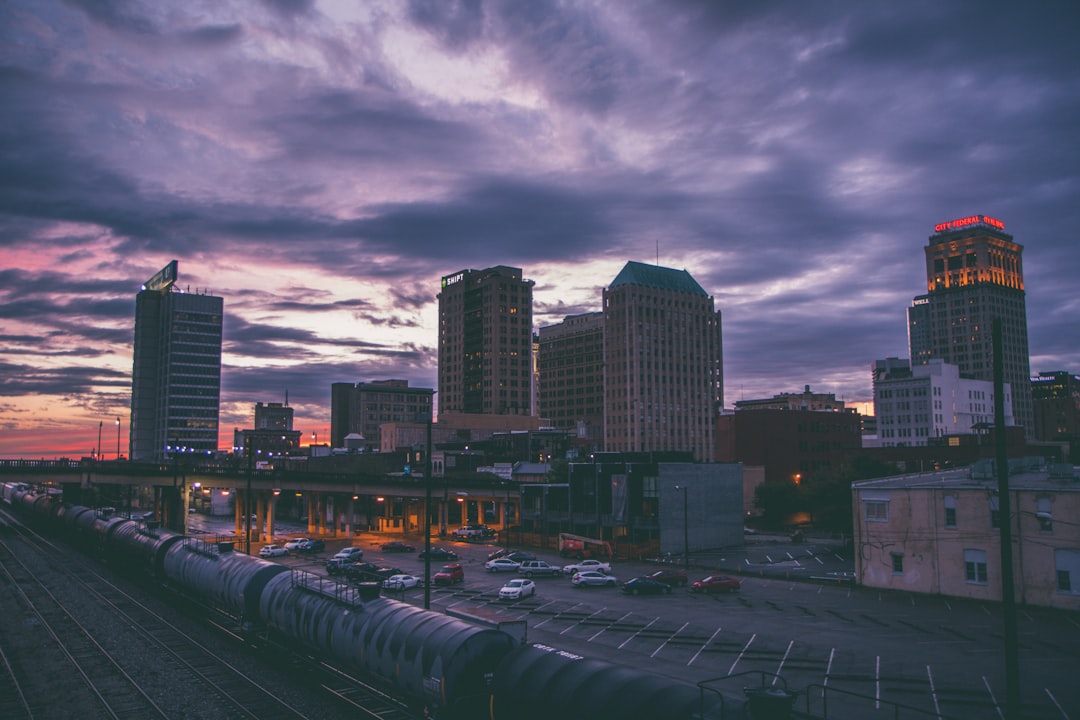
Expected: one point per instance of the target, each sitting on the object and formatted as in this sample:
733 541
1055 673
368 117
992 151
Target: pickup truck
473 532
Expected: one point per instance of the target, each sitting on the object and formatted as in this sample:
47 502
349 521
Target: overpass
335 504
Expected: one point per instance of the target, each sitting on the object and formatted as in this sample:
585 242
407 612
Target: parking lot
932 656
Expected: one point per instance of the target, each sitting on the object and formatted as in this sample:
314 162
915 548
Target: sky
321 165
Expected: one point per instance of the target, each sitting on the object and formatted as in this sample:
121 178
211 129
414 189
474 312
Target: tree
777 500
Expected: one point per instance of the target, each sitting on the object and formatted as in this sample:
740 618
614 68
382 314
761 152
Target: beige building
938 533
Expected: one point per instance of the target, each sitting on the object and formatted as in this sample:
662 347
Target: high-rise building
974 275
663 363
570 388
485 342
1056 397
176 374
362 408
273 416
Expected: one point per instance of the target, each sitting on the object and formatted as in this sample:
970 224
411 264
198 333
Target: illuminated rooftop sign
165 277
969 220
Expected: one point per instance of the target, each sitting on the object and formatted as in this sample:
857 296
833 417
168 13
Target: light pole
596 497
117 437
98 454
685 526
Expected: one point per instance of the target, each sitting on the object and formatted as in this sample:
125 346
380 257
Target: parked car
645 586
269 551
501 565
338 565
498 553
402 582
360 571
529 568
313 545
517 589
592 577
385 573
449 574
716 583
438 553
350 553
670 577
296 544
585 566
396 546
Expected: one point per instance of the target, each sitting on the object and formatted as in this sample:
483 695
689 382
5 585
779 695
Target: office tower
485 342
1056 400
176 373
362 408
570 360
663 363
974 274
273 416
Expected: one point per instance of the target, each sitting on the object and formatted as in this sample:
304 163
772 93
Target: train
445 667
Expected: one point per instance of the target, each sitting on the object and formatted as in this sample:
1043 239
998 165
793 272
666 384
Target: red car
449 575
670 576
716 583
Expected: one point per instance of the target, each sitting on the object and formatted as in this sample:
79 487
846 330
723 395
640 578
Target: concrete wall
713 508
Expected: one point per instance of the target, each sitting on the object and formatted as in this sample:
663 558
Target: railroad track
98 684
181 654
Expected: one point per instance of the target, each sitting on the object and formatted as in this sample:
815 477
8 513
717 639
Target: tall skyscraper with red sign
974 275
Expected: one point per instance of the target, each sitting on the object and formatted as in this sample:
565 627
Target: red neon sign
969 220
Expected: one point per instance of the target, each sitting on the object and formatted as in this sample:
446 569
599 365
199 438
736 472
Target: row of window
878 511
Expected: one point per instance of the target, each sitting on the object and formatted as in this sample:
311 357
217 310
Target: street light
117 437
685 526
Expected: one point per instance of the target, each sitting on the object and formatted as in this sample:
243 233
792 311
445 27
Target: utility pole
1008 594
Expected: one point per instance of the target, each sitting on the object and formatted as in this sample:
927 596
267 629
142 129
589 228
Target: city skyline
320 166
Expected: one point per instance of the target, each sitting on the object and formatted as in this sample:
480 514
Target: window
897 563
1045 517
995 516
877 510
1067 564
975 567
950 511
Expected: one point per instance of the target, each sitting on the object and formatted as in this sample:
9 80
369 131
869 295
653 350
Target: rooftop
1024 474
654 276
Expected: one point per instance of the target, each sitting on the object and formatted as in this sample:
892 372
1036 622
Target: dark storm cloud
455 23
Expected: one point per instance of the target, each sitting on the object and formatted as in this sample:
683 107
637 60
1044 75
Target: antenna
658 252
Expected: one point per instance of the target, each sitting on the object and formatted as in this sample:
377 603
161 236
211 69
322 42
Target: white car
517 589
591 577
586 566
402 582
297 544
501 565
269 551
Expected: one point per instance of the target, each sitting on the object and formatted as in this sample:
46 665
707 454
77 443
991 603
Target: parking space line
877 682
768 558
543 622
1053 699
670 638
828 668
933 692
601 630
782 661
745 647
819 560
638 632
986 683
838 557
948 605
702 648
571 627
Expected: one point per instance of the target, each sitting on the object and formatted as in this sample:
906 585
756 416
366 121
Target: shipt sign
969 220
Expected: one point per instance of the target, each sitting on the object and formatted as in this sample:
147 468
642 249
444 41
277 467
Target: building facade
791 445
273 416
922 405
805 400
939 533
176 373
1056 398
663 363
362 408
570 385
974 275
485 342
